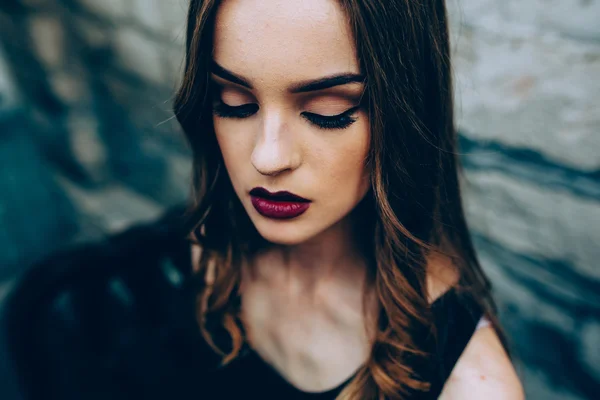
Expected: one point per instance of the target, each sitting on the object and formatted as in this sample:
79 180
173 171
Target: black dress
116 320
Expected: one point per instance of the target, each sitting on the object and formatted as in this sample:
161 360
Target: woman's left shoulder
484 370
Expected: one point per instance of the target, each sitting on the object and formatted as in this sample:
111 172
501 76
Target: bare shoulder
483 371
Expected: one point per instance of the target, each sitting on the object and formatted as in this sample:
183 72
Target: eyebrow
302 87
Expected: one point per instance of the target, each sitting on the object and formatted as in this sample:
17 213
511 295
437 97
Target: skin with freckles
274 47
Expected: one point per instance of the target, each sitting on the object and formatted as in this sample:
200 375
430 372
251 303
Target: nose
275 150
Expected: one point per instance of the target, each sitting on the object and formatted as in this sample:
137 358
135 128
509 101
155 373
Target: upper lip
279 196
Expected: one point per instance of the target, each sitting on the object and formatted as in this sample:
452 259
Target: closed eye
226 111
339 121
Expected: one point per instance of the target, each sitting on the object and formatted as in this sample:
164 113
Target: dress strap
456 317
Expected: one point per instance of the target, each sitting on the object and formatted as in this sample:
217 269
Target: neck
330 254
334 255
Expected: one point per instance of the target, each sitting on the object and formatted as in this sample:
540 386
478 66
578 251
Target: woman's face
287 115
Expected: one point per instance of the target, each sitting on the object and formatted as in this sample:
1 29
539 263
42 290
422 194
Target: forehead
282 41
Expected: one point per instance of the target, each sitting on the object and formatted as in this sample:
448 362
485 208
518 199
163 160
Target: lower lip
279 209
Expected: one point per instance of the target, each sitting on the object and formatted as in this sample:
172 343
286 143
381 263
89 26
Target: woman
331 255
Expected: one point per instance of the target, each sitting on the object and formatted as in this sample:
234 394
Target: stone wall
86 89
528 106
88 146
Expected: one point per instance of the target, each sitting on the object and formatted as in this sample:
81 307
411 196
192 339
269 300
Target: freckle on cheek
482 377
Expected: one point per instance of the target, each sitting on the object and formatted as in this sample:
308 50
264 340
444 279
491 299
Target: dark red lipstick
278 205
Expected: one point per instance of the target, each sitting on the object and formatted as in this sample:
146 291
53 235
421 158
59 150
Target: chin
282 232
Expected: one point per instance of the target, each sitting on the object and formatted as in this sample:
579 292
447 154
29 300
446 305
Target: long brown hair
414 201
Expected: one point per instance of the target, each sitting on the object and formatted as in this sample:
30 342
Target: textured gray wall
528 106
88 146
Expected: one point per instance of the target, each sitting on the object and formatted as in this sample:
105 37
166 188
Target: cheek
345 161
231 144
223 140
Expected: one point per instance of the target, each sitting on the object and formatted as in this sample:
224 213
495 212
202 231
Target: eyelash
340 121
